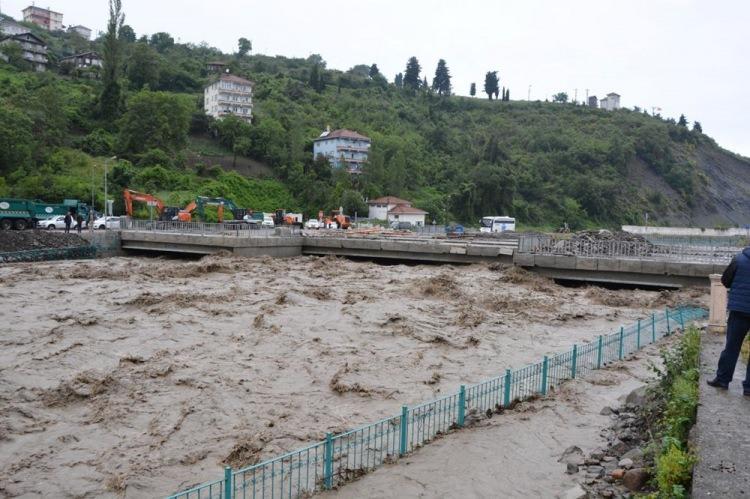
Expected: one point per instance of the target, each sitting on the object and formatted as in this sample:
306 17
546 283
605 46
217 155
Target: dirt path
515 454
141 377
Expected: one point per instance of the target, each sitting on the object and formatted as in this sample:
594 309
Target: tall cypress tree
491 83
442 81
109 102
399 80
411 76
473 89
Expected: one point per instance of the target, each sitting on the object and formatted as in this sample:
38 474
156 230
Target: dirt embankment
23 240
140 377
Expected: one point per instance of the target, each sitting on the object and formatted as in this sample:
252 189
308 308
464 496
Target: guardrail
345 456
36 255
642 250
207 229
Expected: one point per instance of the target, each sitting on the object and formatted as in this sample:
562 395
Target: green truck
23 214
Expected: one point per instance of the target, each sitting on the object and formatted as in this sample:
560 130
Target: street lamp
106 201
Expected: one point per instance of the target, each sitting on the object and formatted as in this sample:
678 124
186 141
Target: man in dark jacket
68 220
736 278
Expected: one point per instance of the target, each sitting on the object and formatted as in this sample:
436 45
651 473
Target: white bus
497 224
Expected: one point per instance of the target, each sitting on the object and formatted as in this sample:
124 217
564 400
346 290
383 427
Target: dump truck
23 214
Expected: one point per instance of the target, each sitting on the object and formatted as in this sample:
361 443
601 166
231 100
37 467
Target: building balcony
353 149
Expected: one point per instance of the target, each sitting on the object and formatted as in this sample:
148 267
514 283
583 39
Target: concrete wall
685 231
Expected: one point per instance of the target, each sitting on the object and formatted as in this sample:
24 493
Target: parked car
313 223
401 225
107 222
57 222
268 223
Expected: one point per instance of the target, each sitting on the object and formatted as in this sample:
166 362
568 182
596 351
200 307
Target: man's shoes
746 393
718 384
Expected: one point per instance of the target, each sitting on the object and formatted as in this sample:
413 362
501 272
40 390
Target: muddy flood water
139 377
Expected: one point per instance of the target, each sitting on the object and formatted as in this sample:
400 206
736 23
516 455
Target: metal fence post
545 367
461 406
622 339
228 493
653 327
638 337
508 382
599 352
681 318
574 362
328 463
666 314
404 430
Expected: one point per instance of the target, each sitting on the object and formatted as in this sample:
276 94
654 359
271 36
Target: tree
491 82
473 89
399 80
411 76
142 67
374 71
245 46
127 34
16 138
161 41
316 79
507 95
697 127
560 97
683 121
109 102
14 54
442 81
155 120
425 85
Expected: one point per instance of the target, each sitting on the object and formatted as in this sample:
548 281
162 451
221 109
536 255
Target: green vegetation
459 158
678 387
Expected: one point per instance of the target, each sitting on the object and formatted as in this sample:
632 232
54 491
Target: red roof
235 79
343 134
406 210
389 200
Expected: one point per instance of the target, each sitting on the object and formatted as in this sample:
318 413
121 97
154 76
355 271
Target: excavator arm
130 195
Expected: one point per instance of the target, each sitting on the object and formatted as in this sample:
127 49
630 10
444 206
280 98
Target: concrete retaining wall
685 231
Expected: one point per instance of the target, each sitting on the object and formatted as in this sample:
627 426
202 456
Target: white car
313 223
57 222
268 223
107 222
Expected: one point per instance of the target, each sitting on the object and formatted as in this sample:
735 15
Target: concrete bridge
605 264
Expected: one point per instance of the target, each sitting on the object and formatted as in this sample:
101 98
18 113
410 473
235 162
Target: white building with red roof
393 209
229 95
342 148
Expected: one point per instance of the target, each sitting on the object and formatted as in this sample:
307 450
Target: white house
229 95
47 19
83 31
393 209
610 102
342 148
9 27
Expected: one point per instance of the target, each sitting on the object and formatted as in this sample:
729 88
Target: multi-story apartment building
610 102
229 95
342 148
47 19
33 47
83 31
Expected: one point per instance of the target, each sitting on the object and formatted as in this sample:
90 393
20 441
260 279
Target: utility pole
575 96
587 97
528 96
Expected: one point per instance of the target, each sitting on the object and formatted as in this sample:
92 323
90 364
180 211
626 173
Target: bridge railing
642 250
207 229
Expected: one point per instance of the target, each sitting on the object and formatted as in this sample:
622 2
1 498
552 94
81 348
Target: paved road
722 431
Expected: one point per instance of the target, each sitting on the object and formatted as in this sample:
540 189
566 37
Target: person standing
79 222
736 278
68 220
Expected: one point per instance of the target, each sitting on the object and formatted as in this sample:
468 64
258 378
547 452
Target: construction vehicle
23 214
281 217
130 195
200 203
337 220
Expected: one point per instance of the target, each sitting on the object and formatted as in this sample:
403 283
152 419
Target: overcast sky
684 56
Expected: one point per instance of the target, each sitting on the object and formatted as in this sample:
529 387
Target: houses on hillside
229 95
9 27
393 209
610 102
33 49
343 148
83 60
45 18
81 31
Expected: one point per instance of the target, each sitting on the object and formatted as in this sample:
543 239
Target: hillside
458 158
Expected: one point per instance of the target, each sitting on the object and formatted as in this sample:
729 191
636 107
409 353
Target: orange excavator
129 196
186 214
337 220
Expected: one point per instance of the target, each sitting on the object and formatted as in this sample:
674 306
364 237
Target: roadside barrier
345 456
36 255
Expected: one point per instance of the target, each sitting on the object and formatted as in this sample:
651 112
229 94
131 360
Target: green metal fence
343 457
35 255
